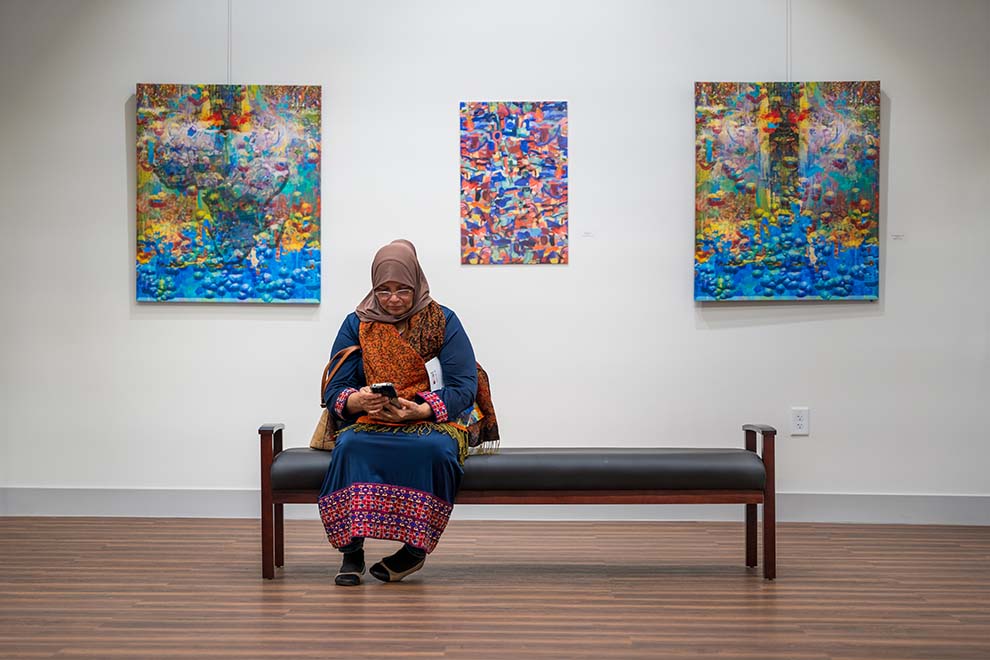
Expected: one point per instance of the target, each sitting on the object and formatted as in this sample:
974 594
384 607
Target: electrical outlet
800 421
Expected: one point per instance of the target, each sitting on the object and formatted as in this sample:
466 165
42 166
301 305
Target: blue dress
397 485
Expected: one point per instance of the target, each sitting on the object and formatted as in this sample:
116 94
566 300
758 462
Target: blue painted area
785 272
292 278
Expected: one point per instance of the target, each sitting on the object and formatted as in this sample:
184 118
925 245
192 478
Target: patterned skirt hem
384 511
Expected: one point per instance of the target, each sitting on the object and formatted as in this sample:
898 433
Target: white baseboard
791 507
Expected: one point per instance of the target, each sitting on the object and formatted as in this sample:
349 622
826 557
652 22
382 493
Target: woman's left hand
404 410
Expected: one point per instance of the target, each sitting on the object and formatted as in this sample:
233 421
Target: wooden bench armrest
768 433
271 445
272 433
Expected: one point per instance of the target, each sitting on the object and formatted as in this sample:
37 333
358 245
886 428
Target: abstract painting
514 182
787 191
228 193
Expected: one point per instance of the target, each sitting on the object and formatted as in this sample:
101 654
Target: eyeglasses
400 293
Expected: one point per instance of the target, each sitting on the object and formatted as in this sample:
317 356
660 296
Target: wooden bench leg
279 536
267 540
267 434
751 534
769 510
751 511
769 542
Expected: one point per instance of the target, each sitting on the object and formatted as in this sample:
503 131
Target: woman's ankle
356 544
418 553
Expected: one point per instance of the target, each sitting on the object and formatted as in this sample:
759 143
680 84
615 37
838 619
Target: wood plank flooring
191 588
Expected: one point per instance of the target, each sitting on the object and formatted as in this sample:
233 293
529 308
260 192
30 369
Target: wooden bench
557 476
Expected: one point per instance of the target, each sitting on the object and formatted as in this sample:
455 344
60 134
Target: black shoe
351 569
397 566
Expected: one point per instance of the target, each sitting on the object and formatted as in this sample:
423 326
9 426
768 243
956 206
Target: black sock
406 557
414 551
353 561
356 543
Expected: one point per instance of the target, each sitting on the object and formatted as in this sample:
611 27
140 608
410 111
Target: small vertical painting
787 191
514 182
228 193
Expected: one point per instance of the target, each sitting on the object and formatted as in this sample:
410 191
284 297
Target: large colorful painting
787 191
228 193
514 182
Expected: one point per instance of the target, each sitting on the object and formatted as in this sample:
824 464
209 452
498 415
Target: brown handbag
325 433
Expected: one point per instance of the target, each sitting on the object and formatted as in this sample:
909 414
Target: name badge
435 373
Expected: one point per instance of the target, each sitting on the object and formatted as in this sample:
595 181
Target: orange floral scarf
401 360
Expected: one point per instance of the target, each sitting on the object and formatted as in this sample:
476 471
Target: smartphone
386 389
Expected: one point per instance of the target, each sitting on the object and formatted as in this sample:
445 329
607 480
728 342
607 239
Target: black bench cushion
615 469
568 469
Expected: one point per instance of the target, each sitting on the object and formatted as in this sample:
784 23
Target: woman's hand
403 410
364 400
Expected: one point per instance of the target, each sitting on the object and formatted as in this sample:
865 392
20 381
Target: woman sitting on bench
396 466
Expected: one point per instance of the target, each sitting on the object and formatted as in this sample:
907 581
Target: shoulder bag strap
333 366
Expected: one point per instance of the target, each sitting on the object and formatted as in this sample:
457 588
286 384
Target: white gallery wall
111 407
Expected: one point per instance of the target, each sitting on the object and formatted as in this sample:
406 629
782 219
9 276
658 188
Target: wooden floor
159 588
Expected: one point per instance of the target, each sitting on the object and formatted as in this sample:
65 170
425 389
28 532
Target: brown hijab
396 262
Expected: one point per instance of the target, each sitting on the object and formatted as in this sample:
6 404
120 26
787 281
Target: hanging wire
230 31
787 42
